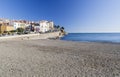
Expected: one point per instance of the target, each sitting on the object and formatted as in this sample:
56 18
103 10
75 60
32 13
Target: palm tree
55 26
58 27
62 28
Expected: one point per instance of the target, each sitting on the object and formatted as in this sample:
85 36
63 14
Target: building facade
42 26
20 24
5 27
46 26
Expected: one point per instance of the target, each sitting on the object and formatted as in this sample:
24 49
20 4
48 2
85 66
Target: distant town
11 27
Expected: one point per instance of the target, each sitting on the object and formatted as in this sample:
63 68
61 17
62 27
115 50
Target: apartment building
5 27
46 26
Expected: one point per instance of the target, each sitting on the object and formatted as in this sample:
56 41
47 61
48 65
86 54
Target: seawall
32 36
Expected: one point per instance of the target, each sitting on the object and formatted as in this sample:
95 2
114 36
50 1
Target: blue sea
93 37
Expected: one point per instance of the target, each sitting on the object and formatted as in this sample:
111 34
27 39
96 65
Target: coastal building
20 24
5 27
42 26
3 20
46 26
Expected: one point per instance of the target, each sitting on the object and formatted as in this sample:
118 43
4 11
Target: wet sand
56 58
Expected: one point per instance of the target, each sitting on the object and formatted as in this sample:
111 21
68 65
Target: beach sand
56 58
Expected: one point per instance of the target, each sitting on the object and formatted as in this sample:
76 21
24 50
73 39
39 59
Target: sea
93 37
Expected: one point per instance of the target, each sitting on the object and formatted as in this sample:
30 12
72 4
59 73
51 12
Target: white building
46 26
19 25
3 20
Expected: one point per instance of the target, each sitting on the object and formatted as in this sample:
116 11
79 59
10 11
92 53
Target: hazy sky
74 15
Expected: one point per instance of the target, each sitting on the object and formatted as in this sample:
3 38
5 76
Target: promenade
31 36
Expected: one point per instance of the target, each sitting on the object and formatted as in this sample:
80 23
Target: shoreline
104 42
50 36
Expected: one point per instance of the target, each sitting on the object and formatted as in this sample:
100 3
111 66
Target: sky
74 15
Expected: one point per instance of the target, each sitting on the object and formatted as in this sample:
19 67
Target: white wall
45 26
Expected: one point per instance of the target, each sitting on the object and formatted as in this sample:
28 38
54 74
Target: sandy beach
56 58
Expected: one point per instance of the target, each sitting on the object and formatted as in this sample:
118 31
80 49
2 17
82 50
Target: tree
5 32
58 27
20 30
62 28
55 26
12 31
